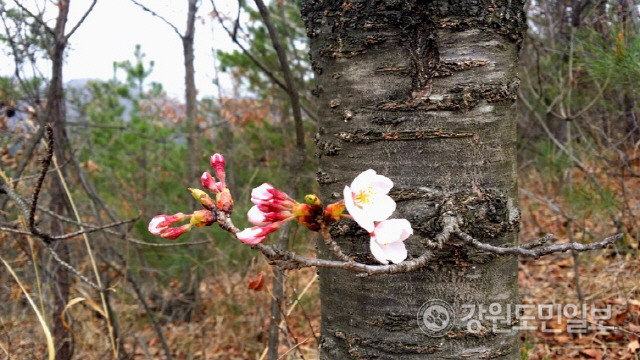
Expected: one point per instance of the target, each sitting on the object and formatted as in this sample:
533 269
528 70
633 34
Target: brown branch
333 246
15 231
37 18
22 206
82 19
523 251
175 29
174 244
73 270
14 181
537 243
91 229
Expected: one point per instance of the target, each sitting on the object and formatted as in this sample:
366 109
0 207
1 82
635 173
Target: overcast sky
114 27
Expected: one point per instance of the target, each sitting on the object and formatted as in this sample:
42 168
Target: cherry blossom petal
153 225
396 252
254 235
378 252
392 231
363 219
256 217
381 209
382 183
262 192
363 180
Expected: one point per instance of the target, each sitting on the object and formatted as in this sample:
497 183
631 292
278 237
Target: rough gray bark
423 93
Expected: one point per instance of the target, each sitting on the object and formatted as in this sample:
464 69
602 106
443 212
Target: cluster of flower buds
162 224
272 208
224 201
366 200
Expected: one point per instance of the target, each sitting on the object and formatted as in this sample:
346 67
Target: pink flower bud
260 218
257 234
208 182
162 222
334 212
217 163
251 236
217 160
174 233
262 192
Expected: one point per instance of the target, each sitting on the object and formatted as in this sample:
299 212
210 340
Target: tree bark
55 115
190 93
423 93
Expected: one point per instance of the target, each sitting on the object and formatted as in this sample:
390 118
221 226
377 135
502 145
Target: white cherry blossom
367 200
387 240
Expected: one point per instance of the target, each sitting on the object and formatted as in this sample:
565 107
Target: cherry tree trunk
422 92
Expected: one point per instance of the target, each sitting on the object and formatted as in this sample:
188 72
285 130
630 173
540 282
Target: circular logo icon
436 317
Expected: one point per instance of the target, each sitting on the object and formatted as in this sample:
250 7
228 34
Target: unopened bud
176 232
208 182
217 163
202 218
314 202
334 212
305 216
160 223
224 201
203 197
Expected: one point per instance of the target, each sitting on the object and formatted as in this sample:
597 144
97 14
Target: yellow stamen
366 196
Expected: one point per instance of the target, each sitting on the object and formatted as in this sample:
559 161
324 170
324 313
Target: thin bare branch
555 248
73 270
175 29
91 229
37 18
82 19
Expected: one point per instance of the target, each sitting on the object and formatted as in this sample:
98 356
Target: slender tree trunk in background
190 93
55 115
422 92
296 163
